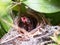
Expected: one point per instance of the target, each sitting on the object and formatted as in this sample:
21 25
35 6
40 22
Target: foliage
51 9
56 38
44 6
4 14
54 18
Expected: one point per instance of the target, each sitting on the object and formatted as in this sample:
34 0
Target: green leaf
4 4
16 8
44 6
56 38
53 44
2 31
59 37
4 14
23 9
9 19
54 18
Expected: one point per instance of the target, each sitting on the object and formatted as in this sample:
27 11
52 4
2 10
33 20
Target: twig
34 30
10 39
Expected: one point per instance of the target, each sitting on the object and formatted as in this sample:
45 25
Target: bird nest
30 29
30 21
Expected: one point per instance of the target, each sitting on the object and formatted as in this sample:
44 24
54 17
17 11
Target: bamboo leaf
4 14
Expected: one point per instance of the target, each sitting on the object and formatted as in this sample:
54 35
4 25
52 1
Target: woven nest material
32 25
42 38
34 20
39 35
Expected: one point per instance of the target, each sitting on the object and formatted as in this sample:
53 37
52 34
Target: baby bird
26 23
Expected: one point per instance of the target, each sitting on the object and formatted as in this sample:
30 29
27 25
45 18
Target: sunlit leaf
44 6
52 44
3 6
4 13
56 39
